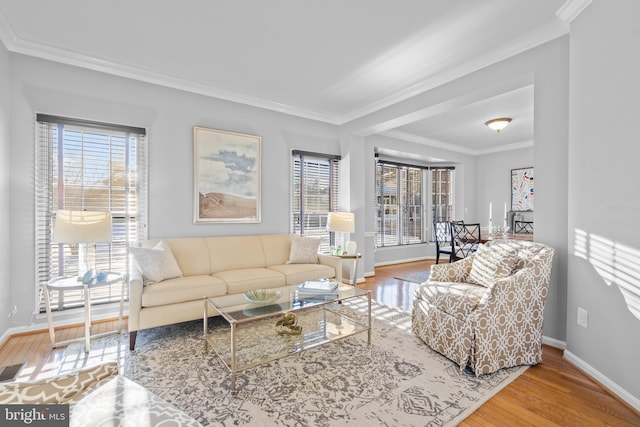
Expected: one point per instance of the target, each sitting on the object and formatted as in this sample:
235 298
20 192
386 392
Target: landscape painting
227 174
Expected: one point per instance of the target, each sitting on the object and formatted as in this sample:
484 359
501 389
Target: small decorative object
88 277
262 296
351 247
288 325
101 276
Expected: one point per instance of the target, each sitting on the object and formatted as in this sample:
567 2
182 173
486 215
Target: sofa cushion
304 250
276 248
60 389
235 253
187 288
191 253
298 273
492 263
239 281
454 298
156 264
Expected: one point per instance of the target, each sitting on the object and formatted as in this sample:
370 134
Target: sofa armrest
136 286
332 261
453 272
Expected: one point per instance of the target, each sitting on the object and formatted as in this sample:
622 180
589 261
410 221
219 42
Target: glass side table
73 284
354 271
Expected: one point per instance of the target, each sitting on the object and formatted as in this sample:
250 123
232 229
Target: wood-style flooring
553 393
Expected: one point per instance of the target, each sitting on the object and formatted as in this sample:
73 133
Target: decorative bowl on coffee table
262 296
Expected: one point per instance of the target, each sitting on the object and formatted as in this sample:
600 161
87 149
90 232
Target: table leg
52 333
121 305
87 319
355 272
233 359
369 332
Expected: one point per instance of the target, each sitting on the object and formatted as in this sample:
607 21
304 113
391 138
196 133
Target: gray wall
5 174
604 237
169 116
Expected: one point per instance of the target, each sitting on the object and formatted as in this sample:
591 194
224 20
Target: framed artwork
522 194
226 176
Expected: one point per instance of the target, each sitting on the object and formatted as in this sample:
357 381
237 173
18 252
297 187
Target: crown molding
404 136
533 39
571 9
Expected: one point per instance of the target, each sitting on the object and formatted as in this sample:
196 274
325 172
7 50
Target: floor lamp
342 222
82 229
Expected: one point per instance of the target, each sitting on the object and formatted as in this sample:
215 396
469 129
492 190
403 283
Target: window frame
125 179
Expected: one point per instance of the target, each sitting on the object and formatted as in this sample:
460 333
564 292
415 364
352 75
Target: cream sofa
486 311
97 396
222 268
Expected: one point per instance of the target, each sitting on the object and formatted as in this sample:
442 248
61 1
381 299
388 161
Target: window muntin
88 166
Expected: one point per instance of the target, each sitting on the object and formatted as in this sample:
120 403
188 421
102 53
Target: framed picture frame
226 176
522 189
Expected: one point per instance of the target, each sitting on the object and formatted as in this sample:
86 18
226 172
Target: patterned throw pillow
304 250
492 263
60 389
156 264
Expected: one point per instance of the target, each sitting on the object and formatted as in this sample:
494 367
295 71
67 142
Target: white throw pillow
492 263
304 250
156 264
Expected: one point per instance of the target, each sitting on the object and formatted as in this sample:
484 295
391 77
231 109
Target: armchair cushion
61 389
492 263
456 299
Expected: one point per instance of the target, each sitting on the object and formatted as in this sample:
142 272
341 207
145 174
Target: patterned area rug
396 381
419 277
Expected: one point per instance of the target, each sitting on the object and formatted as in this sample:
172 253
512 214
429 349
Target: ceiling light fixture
498 124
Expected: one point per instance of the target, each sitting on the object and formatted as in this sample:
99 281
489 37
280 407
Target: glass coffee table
248 337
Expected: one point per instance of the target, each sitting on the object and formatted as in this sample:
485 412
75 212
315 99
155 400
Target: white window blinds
82 165
315 190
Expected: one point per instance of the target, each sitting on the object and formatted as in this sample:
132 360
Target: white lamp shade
341 222
82 227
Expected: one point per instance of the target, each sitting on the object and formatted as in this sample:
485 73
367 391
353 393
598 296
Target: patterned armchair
486 311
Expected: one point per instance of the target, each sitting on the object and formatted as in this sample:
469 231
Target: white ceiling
330 60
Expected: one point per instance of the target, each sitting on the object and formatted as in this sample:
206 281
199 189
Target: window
83 165
401 196
315 189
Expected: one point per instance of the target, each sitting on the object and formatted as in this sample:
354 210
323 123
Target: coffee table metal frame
236 316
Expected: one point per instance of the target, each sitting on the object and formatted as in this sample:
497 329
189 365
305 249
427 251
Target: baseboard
552 342
598 376
396 262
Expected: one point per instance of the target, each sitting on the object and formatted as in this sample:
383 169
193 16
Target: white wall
604 238
5 173
493 182
169 116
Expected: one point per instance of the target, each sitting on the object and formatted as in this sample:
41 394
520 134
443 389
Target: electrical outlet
582 317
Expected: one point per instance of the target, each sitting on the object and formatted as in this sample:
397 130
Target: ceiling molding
26 47
533 39
67 57
409 137
571 9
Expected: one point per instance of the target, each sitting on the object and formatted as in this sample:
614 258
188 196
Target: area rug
419 277
395 381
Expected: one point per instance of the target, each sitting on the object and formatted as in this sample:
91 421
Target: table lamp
82 229
342 222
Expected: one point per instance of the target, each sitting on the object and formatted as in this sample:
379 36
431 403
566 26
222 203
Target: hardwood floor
553 393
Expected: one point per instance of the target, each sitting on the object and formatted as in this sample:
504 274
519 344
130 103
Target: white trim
40 50
552 342
603 379
404 136
571 9
382 264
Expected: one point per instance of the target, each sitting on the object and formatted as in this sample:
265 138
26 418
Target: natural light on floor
616 263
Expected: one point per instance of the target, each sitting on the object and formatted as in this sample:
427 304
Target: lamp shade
341 222
82 227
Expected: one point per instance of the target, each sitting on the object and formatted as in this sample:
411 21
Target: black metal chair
465 239
523 227
442 230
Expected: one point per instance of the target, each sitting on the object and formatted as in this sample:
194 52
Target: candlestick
490 209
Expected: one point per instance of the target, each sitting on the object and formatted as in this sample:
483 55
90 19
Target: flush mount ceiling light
498 124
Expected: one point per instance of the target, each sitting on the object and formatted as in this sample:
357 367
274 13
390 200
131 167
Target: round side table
73 284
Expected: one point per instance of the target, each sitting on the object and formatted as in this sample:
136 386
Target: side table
73 284
354 271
